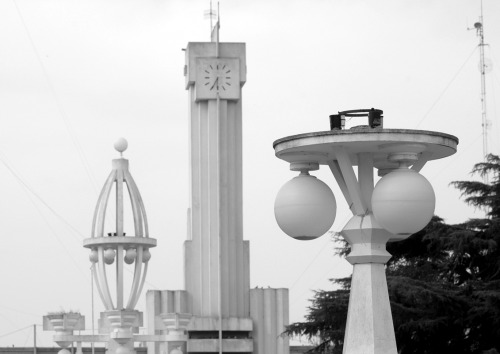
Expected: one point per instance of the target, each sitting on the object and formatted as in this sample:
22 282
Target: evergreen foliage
444 283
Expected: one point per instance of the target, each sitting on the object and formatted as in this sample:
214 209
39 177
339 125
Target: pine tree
444 283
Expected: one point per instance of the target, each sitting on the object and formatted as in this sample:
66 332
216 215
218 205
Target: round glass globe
305 207
130 255
403 202
109 256
146 255
94 257
121 145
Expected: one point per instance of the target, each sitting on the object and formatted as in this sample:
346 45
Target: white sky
75 75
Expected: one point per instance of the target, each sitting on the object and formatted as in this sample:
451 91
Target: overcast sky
76 75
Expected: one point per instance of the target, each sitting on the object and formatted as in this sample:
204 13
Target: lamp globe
146 255
403 202
305 207
94 257
130 255
109 256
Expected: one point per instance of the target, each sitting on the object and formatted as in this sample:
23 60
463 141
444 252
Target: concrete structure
100 350
112 252
228 317
55 350
369 328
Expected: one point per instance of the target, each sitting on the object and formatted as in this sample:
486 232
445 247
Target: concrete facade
269 312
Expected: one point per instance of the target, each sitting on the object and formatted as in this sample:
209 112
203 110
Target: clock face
217 77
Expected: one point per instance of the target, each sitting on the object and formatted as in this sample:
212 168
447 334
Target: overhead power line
15 331
57 101
445 89
35 194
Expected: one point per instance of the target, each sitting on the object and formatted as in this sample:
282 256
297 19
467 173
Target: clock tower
225 315
217 276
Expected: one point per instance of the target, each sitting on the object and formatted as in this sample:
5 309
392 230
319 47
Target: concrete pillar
162 302
153 309
269 312
369 328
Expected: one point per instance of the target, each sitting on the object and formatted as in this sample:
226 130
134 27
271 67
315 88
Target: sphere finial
121 145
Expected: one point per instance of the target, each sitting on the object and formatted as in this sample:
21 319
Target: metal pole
483 84
211 25
34 339
220 252
92 301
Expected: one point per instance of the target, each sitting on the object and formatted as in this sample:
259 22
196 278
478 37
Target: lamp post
401 204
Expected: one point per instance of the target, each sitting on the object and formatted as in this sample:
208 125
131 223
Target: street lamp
401 204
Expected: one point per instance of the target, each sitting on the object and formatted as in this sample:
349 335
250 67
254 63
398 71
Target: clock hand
215 83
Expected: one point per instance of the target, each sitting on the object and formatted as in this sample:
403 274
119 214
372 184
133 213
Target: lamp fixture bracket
375 118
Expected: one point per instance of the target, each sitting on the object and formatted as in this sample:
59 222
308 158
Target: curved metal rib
143 280
134 200
119 232
140 206
102 203
96 280
103 281
137 277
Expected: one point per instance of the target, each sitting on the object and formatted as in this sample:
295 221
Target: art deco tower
216 257
227 317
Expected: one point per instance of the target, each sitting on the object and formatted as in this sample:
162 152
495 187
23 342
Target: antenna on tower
214 30
210 14
484 68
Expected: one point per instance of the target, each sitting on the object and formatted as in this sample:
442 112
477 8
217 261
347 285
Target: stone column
369 328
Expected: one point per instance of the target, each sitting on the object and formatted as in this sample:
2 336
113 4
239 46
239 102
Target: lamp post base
369 328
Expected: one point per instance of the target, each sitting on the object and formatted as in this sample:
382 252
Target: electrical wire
310 263
54 233
58 104
299 296
28 336
19 311
446 88
15 331
18 177
8 319
27 189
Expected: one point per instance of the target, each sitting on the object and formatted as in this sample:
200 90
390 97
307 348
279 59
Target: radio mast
484 68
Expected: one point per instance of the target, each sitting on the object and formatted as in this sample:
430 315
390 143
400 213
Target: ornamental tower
112 252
